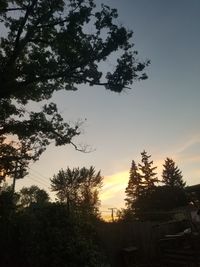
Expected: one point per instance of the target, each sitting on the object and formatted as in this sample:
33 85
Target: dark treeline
149 197
37 232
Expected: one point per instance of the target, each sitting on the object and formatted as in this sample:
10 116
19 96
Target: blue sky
160 115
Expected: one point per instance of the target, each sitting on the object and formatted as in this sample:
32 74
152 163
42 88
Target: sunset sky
160 115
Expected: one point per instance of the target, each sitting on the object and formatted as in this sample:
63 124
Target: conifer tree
134 189
149 175
171 175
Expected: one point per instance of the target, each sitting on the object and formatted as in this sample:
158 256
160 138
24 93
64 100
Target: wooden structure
129 256
180 250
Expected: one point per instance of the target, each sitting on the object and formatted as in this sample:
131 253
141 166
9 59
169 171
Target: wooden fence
144 236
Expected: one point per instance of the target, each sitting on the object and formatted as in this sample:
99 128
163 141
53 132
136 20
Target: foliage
141 184
135 187
3 4
78 188
32 195
171 175
168 198
125 214
45 47
147 172
147 201
8 201
14 159
161 204
47 236
32 137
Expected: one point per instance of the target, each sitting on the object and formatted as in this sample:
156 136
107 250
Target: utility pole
112 213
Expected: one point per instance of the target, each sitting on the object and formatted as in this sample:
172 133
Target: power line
105 211
41 175
38 181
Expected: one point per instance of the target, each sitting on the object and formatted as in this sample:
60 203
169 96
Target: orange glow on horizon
113 191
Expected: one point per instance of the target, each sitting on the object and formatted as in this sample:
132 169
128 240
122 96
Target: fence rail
144 236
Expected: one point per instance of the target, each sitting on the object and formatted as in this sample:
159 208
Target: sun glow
113 190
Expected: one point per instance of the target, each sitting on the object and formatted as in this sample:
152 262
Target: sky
160 115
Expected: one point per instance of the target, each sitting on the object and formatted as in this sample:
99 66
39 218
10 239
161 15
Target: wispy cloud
186 156
193 140
113 190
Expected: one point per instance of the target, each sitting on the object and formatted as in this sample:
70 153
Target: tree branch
52 24
13 9
20 30
79 149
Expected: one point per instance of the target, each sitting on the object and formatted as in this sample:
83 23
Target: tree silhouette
145 200
14 159
46 47
140 190
147 172
135 187
32 195
45 235
78 188
171 175
8 202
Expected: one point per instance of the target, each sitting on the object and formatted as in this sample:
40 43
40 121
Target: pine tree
148 175
134 188
172 176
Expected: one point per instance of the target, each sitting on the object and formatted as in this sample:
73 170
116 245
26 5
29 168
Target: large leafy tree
45 47
171 175
32 195
78 188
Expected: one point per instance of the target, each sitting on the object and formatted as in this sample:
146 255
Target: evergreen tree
171 175
134 189
149 175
